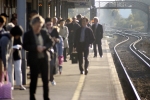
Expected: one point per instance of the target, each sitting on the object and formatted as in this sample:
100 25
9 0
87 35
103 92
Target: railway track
135 65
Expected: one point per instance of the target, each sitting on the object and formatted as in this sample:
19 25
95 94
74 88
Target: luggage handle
2 78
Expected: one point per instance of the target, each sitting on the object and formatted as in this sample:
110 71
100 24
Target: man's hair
48 20
69 20
2 19
36 19
34 11
17 31
79 16
87 20
62 20
96 18
13 18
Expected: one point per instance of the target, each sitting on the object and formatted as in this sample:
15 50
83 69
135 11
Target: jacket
89 38
72 30
98 33
60 46
29 44
64 34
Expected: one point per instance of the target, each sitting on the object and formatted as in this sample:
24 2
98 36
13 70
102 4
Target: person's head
96 20
62 22
2 21
14 20
4 14
33 13
9 26
69 20
36 23
14 15
16 31
84 21
48 23
55 20
79 17
74 19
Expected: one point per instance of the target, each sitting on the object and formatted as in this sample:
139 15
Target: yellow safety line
79 88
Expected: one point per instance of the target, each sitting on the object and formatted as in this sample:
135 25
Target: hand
40 48
74 49
5 68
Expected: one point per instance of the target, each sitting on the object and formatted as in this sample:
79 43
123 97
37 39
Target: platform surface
101 83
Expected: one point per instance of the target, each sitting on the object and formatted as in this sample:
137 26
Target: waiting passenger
16 59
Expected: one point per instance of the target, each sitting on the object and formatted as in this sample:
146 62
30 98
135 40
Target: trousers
83 52
99 48
18 72
36 67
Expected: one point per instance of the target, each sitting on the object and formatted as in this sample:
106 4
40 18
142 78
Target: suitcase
74 57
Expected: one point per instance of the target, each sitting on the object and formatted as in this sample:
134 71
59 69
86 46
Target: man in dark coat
98 32
72 30
83 38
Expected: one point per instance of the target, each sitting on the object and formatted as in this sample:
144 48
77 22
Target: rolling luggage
74 58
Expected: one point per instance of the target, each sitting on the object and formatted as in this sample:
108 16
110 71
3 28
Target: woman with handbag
37 42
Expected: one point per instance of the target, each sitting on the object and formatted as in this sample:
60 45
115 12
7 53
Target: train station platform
101 83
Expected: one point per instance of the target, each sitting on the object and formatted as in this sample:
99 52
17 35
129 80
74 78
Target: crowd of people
48 42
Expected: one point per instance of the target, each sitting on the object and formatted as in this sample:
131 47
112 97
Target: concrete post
21 13
35 5
93 10
57 8
44 8
66 10
52 8
63 9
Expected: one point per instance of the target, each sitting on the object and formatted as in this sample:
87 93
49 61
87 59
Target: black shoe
101 56
86 72
82 72
95 56
65 60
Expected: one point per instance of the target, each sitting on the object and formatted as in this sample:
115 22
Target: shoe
65 60
53 83
101 56
12 88
60 69
22 87
86 72
82 72
95 56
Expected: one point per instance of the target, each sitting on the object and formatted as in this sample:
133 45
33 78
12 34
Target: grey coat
64 34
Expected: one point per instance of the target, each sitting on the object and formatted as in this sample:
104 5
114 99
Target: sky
124 12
